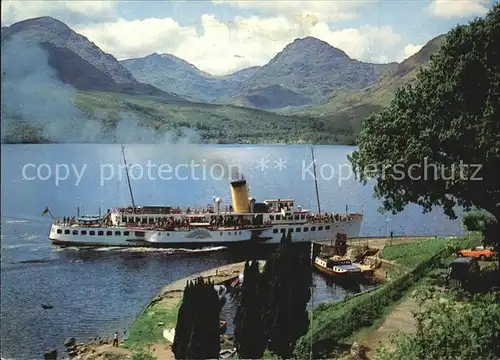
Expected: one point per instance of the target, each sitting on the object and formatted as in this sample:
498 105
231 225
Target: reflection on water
326 290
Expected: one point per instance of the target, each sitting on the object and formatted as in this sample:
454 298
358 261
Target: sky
220 36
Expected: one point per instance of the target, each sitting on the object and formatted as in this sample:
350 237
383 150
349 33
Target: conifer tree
250 340
289 293
197 334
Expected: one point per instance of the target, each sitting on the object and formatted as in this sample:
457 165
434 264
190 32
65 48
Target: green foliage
424 148
452 330
485 223
213 123
335 322
197 333
145 329
477 220
289 277
249 336
141 355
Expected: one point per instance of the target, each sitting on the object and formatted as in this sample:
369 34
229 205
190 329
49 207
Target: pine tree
250 340
197 330
288 295
183 326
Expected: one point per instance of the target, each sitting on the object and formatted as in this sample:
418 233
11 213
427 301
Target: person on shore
115 340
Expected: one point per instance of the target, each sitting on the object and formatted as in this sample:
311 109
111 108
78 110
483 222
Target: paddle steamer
242 221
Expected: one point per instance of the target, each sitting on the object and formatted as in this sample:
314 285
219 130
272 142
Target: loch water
95 292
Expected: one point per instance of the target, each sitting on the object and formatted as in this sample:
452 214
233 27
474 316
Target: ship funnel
239 193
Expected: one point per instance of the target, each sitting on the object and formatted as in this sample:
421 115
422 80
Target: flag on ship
45 211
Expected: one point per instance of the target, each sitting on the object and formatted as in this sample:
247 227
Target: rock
72 353
358 351
70 342
50 355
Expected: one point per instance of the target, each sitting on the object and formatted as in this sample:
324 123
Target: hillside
59 87
379 94
311 69
355 105
77 61
269 98
305 72
172 74
103 117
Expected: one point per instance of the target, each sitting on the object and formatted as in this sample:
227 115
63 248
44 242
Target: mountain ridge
63 44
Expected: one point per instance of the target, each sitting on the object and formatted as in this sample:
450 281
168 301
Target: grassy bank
161 312
335 323
148 328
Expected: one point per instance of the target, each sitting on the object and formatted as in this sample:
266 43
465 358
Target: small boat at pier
340 268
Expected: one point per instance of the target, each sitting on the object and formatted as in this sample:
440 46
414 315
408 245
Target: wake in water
15 222
139 249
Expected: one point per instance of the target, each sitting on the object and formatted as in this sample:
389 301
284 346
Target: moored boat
339 268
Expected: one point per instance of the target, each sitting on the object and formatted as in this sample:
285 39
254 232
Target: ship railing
332 217
194 226
172 211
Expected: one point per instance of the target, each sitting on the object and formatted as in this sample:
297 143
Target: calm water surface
97 292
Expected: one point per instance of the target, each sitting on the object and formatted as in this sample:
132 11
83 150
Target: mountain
172 74
77 61
270 97
355 105
310 69
241 74
383 90
59 87
305 72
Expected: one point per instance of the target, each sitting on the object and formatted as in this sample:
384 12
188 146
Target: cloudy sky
223 36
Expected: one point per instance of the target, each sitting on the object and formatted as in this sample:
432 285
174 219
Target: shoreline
166 303
163 305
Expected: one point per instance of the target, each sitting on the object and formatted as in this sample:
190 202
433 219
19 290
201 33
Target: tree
438 142
249 337
288 295
197 330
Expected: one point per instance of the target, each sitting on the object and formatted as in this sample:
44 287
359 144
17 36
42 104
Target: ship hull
201 237
268 235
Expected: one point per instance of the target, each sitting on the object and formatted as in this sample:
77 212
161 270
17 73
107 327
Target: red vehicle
479 252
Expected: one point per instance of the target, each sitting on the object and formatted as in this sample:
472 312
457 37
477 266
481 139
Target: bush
452 330
477 220
142 355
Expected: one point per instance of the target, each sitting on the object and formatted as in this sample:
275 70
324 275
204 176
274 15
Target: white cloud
221 47
325 10
458 8
410 50
68 11
227 47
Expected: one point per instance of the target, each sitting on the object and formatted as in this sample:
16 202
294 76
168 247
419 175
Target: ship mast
128 178
315 180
